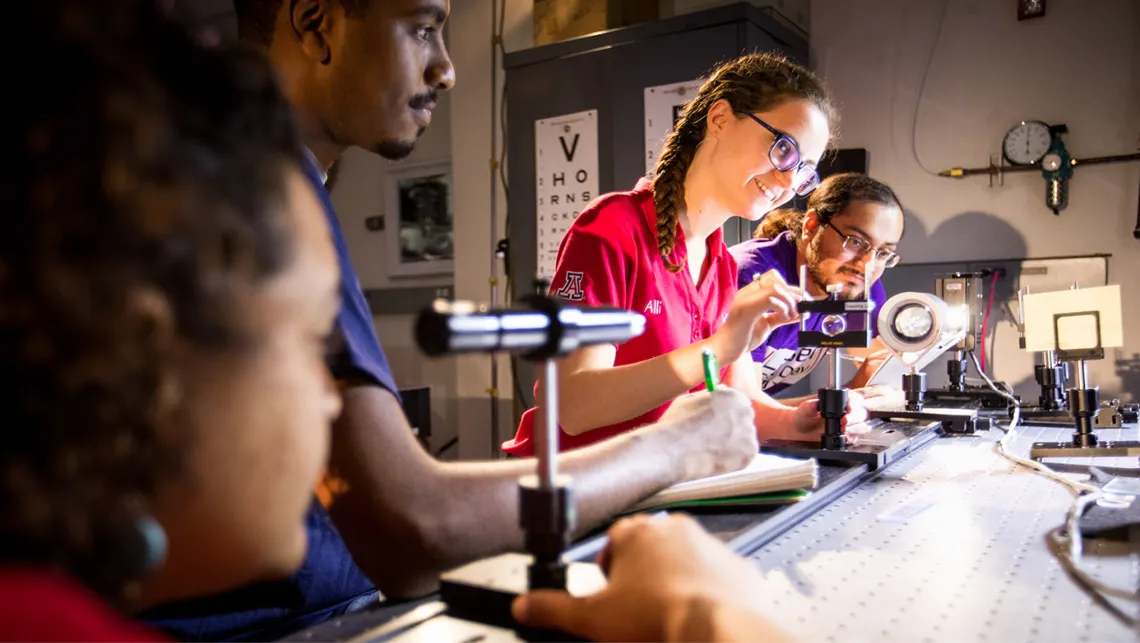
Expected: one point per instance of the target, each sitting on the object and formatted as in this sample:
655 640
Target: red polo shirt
43 605
609 257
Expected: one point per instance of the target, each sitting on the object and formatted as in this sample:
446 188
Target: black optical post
963 289
834 335
1051 374
1083 400
541 329
833 332
913 325
914 389
1051 377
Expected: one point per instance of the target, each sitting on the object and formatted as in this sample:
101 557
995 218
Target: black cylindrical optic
832 406
956 369
1083 404
914 387
1052 380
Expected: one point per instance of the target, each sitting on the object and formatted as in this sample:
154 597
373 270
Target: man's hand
870 365
715 432
669 580
881 396
808 423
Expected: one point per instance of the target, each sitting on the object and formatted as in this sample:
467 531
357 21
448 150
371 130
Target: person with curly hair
852 222
745 144
367 74
168 284
166 287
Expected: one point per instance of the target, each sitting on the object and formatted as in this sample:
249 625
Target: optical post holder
963 289
1051 375
541 329
834 334
1083 402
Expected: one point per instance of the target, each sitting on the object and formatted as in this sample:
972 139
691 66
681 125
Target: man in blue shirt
367 74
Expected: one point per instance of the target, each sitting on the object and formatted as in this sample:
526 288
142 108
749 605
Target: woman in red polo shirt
746 144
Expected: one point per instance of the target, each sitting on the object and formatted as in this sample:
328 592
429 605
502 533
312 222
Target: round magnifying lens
833 325
913 322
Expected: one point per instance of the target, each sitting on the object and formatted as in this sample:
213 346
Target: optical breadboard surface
946 545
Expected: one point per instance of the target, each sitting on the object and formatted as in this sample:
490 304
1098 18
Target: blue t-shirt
784 362
328 582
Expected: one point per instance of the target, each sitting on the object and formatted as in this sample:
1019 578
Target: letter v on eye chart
566 179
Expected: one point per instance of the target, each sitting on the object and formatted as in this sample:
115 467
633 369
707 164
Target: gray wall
986 73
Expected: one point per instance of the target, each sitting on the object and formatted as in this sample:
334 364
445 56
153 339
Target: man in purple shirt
851 221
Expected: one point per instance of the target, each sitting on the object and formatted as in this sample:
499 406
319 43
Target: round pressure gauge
1051 162
1026 143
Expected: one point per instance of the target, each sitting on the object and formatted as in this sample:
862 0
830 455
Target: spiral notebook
766 473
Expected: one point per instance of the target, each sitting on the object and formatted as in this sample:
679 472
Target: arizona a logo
572 289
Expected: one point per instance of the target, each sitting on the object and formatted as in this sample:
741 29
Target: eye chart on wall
663 107
566 178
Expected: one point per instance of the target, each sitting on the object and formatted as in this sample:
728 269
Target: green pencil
712 370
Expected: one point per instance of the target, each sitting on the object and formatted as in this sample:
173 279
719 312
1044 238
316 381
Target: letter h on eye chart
566 179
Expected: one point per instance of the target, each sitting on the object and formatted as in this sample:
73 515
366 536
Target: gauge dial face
1026 143
1051 162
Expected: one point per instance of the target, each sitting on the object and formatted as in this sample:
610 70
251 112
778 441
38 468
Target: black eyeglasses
785 157
859 246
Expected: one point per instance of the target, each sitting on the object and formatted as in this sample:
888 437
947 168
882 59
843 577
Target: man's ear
310 21
811 224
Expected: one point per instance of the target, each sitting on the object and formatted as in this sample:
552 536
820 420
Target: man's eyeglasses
785 157
859 246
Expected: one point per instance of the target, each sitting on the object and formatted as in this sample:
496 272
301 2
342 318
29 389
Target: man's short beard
811 257
394 150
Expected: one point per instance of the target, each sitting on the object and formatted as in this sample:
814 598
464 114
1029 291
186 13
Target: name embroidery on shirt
654 306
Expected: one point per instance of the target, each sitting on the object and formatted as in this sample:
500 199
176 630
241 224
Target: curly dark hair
834 195
143 204
757 82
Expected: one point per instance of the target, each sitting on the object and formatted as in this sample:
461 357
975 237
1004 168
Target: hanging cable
493 276
499 162
922 89
986 319
502 115
1003 445
1065 544
1067 548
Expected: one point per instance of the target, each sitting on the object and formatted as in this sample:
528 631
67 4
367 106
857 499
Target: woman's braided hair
756 82
835 194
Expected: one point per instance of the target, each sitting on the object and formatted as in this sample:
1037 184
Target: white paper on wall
566 178
1077 327
663 105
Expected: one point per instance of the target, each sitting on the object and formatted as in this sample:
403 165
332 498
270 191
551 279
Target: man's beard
850 291
396 150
